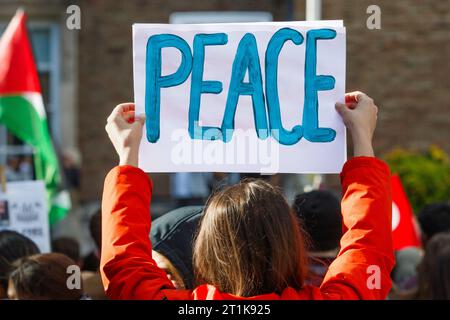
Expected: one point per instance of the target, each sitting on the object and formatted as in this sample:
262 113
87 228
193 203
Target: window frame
54 69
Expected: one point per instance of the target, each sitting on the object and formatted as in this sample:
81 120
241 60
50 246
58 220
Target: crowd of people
245 241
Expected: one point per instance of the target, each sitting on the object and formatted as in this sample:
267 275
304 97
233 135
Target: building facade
403 66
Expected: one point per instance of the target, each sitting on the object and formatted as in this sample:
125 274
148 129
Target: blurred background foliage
425 175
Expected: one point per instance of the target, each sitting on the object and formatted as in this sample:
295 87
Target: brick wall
404 67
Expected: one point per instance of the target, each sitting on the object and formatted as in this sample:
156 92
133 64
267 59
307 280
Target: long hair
434 270
250 242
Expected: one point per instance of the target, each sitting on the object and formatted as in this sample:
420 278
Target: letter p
155 81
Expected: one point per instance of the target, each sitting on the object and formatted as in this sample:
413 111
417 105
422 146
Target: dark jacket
172 236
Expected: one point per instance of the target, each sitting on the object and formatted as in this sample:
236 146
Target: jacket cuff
361 162
128 174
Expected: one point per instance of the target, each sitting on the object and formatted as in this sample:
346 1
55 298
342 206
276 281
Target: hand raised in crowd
359 114
125 132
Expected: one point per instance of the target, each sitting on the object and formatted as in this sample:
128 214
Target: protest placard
245 97
23 208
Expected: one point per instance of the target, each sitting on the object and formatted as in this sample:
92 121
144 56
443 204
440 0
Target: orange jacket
361 270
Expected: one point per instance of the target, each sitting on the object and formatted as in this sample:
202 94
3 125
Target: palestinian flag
22 110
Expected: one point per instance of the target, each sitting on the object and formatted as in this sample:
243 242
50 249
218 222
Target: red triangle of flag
17 68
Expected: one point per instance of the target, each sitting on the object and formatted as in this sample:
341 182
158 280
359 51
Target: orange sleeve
126 265
364 263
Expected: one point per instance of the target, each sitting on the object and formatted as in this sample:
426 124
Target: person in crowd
13 172
433 219
319 212
13 246
26 167
404 274
71 166
249 244
71 162
172 236
43 277
92 285
91 262
433 275
92 281
68 246
434 270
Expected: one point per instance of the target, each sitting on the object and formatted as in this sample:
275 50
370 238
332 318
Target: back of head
67 246
13 246
320 214
249 242
42 277
434 270
172 237
405 269
433 219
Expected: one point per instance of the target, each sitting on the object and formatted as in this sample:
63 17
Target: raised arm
127 268
363 266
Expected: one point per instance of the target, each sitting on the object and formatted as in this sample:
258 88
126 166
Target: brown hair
434 270
43 276
250 242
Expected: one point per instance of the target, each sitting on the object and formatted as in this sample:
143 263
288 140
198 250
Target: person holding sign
249 244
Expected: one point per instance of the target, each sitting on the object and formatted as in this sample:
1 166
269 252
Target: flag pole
314 13
313 10
20 9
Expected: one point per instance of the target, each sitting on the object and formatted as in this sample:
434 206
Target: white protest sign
244 97
26 211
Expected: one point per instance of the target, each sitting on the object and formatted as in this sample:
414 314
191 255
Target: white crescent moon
395 216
